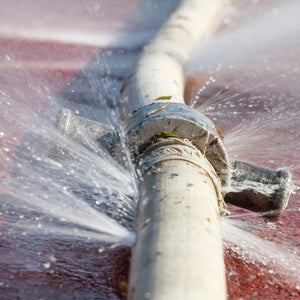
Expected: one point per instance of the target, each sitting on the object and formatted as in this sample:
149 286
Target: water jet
228 138
168 141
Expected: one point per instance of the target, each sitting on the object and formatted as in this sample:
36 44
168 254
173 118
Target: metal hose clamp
183 122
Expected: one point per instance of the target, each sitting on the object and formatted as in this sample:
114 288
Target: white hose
178 254
159 71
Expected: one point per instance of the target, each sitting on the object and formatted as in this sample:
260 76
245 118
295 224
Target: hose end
260 190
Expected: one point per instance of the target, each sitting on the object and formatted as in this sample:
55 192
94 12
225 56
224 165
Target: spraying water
63 220
58 216
245 79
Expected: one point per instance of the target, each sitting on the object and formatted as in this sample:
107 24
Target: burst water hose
182 164
180 159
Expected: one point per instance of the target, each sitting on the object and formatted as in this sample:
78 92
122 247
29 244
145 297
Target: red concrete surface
80 271
246 279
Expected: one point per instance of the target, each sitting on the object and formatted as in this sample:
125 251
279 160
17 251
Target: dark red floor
32 71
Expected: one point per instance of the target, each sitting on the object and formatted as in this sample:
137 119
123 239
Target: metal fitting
254 188
244 185
259 189
183 122
90 134
157 155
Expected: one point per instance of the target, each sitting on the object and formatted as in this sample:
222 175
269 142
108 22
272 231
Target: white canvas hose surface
178 253
159 71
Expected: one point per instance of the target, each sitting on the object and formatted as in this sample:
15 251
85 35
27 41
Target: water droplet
52 258
47 265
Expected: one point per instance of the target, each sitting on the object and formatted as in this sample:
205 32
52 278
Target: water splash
82 195
239 236
245 80
52 209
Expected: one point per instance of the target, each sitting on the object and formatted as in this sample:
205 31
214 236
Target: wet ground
75 54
